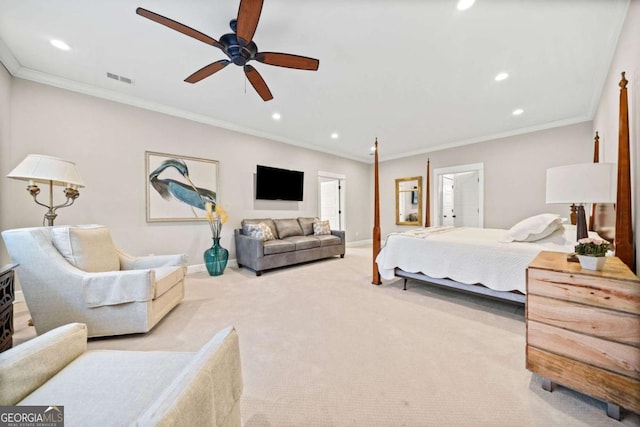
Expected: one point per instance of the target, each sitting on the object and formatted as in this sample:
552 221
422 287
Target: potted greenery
592 253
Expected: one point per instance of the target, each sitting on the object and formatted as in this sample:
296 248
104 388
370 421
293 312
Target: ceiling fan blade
174 25
287 60
258 83
207 71
248 16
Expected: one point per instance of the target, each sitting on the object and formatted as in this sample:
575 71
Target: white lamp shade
582 183
47 169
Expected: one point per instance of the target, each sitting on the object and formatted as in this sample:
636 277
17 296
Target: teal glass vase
215 258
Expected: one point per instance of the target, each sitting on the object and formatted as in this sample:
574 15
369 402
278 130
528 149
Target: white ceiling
418 75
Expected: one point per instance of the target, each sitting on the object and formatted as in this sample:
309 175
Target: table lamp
580 184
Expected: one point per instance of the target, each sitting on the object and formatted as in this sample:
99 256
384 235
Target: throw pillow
87 248
259 231
534 228
321 228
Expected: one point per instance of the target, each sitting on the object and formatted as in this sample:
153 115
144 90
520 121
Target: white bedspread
468 255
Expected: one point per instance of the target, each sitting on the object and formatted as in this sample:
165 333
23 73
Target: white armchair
76 274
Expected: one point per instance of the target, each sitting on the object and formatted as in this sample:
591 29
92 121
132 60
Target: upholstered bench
125 388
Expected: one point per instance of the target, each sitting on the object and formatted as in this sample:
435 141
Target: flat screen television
279 184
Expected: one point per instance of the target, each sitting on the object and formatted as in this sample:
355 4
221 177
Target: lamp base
581 225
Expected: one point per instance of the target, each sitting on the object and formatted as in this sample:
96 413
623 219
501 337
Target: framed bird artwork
178 187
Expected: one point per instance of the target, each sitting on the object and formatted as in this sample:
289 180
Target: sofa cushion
321 228
87 248
304 242
259 231
328 240
288 228
306 223
267 221
278 246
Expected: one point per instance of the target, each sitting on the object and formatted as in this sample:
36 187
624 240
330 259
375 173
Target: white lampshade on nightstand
582 183
36 168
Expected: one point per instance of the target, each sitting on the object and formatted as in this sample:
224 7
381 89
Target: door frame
343 191
437 181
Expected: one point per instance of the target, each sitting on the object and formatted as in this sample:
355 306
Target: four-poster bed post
376 218
596 159
427 203
624 247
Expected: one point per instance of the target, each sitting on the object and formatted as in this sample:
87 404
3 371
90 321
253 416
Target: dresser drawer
621 358
619 295
608 324
596 382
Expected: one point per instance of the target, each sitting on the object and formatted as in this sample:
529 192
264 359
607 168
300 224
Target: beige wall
514 171
5 135
605 122
108 140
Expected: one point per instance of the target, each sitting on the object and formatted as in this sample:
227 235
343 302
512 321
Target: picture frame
170 194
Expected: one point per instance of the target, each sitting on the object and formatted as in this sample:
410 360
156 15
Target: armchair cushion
130 262
87 248
113 288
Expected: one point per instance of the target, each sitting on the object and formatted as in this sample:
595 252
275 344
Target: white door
459 197
448 200
466 199
332 198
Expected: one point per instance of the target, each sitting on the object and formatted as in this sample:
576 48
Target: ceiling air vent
123 79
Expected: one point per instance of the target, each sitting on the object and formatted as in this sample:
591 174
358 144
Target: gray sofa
294 242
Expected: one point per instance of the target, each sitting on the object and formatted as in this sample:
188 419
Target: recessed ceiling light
517 111
60 44
373 148
334 135
465 4
276 116
501 76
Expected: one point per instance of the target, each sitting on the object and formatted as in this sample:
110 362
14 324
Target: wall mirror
409 201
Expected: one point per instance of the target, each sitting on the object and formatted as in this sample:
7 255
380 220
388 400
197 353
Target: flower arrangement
592 247
216 217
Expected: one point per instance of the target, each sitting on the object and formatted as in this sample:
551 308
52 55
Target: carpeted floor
321 346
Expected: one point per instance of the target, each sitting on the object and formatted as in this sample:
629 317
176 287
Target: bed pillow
259 231
534 228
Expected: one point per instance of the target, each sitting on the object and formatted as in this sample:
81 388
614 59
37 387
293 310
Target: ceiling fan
238 46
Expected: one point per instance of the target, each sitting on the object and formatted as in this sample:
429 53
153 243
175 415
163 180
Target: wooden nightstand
583 329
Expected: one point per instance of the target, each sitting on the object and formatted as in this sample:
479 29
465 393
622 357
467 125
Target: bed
486 255
484 261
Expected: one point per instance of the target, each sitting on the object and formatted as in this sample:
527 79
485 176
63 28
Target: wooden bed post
376 217
624 232
427 203
596 159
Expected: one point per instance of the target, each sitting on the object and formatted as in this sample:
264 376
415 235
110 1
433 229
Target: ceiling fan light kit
238 46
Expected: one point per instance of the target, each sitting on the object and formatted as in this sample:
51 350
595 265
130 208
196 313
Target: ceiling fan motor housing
239 55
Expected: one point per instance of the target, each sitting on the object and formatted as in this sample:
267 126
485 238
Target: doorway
459 197
331 199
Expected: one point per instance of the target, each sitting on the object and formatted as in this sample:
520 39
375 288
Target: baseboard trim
359 243
197 268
